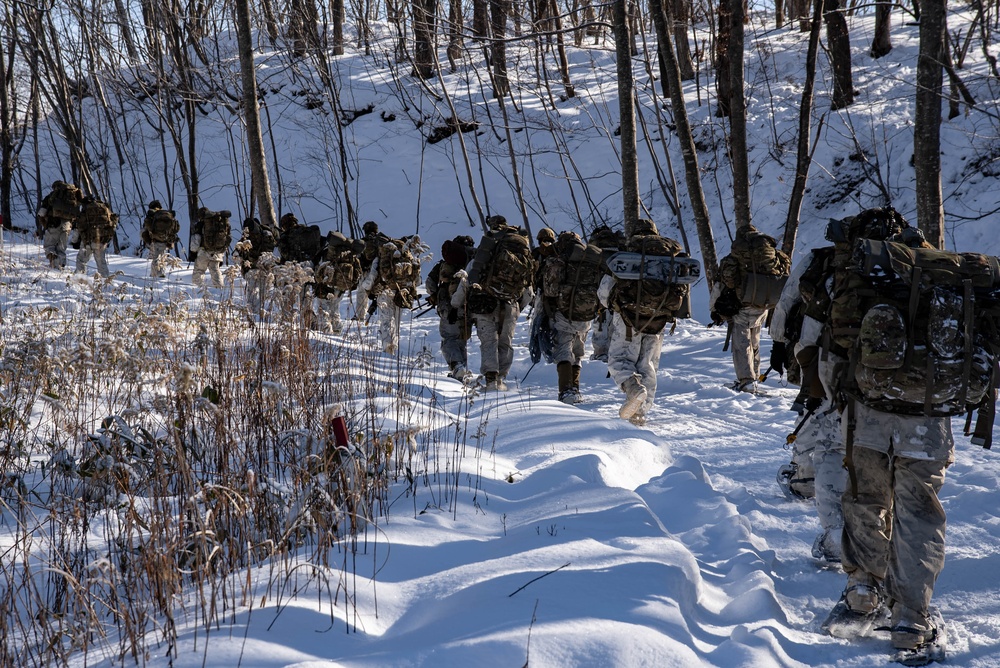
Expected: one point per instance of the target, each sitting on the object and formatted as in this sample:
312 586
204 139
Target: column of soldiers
875 438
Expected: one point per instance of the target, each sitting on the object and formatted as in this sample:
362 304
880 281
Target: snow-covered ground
572 538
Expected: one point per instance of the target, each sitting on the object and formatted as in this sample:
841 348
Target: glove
717 319
453 316
812 403
778 357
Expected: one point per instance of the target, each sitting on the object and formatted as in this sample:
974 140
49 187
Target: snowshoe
928 651
844 622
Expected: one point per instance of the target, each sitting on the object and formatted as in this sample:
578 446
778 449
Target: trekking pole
764 375
729 336
426 310
791 438
527 372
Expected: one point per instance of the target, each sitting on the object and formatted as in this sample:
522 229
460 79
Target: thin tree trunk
840 54
738 118
679 13
804 156
882 37
626 86
499 10
251 112
723 81
927 122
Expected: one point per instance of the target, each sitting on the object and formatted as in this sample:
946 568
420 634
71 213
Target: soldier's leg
867 517
388 318
82 258
487 330
100 257
200 266
623 353
333 310
505 339
601 336
650 347
215 271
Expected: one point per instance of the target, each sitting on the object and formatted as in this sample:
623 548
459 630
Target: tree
251 114
840 54
927 121
738 118
626 92
424 42
723 82
881 38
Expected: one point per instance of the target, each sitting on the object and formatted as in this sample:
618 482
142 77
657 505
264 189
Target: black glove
812 403
453 316
716 318
778 357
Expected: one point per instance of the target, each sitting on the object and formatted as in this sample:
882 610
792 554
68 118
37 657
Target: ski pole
795 434
763 376
527 372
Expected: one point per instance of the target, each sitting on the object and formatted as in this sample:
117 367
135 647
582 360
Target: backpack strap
852 424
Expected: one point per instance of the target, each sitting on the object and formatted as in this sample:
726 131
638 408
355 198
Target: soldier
495 292
751 279
56 214
454 326
642 308
159 234
298 245
392 279
337 272
256 252
570 280
371 242
610 242
96 226
210 241
907 376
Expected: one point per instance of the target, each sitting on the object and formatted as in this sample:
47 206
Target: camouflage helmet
878 224
58 184
337 239
606 238
371 227
465 240
202 212
495 221
154 205
288 220
247 222
546 235
644 226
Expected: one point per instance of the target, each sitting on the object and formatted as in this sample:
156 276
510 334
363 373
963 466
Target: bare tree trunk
779 13
561 49
927 122
626 87
454 33
499 10
881 39
481 18
840 54
804 156
251 112
424 42
723 80
738 119
680 14
692 170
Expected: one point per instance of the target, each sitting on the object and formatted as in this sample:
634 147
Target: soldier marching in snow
751 279
570 280
371 240
95 226
56 215
159 234
641 310
919 330
392 282
816 469
610 242
454 325
298 247
495 292
338 271
210 239
256 253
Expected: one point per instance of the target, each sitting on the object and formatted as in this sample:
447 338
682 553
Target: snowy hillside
520 531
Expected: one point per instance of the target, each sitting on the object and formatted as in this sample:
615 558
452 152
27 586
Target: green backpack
755 268
921 326
503 265
570 278
647 305
163 226
216 234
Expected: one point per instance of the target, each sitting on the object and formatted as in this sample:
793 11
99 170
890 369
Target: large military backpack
64 201
921 326
570 278
503 265
163 226
96 223
755 268
300 243
813 284
339 271
398 271
216 234
646 305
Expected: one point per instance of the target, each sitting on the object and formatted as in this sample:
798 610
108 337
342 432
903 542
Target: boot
635 397
577 397
564 372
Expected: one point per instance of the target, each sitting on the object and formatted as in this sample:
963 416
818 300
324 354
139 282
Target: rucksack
813 284
261 238
340 271
755 268
397 265
921 326
163 226
215 231
300 243
570 278
647 305
96 223
503 265
64 201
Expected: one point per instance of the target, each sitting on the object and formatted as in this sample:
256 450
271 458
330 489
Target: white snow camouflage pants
894 529
454 344
157 250
98 252
496 336
639 357
570 337
210 262
745 343
327 311
54 242
600 337
388 321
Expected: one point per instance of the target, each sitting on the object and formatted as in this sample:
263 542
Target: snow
558 535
